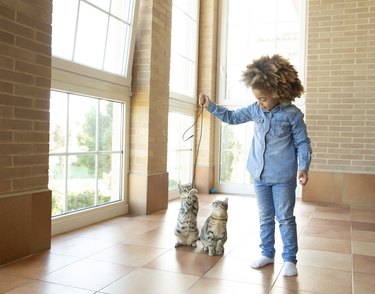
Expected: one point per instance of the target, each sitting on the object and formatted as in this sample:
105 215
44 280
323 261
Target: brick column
207 79
148 178
25 79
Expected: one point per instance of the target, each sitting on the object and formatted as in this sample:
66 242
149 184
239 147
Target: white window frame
221 89
74 78
184 104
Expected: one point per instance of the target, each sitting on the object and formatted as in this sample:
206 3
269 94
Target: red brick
33 69
17 77
31 91
6 87
10 100
7 12
6 37
16 29
31 114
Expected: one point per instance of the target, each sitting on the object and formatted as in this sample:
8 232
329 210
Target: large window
184 49
183 88
250 30
180 149
94 33
86 152
92 47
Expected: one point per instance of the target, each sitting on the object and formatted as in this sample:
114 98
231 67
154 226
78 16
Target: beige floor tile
148 281
363 248
184 262
366 236
239 270
80 247
8 282
364 283
332 215
324 244
363 226
318 281
214 286
325 259
37 265
136 254
38 287
363 264
327 232
277 290
88 274
362 215
131 255
329 223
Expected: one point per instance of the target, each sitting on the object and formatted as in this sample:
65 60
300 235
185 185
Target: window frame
184 104
74 78
235 103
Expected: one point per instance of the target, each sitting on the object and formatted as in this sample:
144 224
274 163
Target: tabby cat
186 230
214 231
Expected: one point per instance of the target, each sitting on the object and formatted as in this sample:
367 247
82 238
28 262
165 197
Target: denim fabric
280 143
277 200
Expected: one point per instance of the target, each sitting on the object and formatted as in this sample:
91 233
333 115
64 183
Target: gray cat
186 230
214 231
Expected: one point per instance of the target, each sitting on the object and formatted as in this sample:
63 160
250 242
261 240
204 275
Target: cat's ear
179 187
226 201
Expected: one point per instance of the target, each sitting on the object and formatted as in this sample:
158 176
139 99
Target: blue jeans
277 200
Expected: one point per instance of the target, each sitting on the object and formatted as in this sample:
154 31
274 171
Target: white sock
261 262
290 269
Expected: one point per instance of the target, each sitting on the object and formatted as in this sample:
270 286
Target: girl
280 151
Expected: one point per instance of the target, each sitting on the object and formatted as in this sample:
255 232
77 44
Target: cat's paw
178 245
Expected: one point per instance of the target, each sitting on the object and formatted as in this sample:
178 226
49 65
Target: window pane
276 33
63 27
91 36
82 124
183 48
180 149
94 33
122 9
110 126
57 183
109 178
182 78
88 172
103 4
118 37
81 182
58 122
235 144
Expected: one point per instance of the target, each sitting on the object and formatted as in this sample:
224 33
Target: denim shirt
280 143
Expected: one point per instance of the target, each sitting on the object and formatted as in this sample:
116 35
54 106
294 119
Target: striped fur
186 230
214 231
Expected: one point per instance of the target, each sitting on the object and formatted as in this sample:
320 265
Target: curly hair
275 75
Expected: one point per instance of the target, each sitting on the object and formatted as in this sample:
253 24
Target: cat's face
220 204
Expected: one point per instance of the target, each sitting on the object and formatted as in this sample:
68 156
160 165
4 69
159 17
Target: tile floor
136 255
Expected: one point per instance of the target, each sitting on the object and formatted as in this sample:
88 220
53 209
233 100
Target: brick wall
340 103
25 78
148 178
341 85
207 70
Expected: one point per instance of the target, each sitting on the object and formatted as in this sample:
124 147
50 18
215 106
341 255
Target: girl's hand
303 177
203 100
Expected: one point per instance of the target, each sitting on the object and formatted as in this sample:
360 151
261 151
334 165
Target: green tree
228 154
88 138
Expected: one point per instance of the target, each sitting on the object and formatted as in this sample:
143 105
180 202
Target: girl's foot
290 269
261 262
